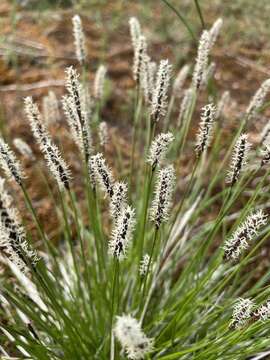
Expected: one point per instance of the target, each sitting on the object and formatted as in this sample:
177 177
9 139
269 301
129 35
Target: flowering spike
257 100
242 312
215 30
222 104
202 60
262 313
239 241
161 204
135 31
122 233
180 80
131 337
265 134
13 242
159 99
118 200
56 163
205 128
185 106
159 148
99 82
79 103
79 39
239 159
139 59
102 173
144 265
23 148
148 78
265 154
103 133
9 163
50 108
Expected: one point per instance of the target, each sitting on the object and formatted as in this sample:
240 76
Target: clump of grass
150 274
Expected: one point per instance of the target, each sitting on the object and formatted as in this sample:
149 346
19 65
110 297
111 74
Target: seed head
265 134
239 241
239 159
159 99
222 104
262 313
118 200
258 100
135 31
102 173
242 312
99 82
161 204
159 148
13 242
144 265
56 163
202 60
139 59
50 108
131 337
23 148
103 133
79 39
215 30
185 106
205 128
148 78
180 80
9 163
122 233
265 154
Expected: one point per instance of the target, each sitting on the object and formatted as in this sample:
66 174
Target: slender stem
115 280
199 12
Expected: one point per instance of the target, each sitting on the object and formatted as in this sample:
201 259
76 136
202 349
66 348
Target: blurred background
36 45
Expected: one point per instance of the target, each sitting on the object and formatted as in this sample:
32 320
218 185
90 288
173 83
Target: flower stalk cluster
205 129
158 149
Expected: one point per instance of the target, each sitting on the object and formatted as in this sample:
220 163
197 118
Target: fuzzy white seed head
239 241
129 333
23 148
148 78
139 59
258 100
159 99
55 162
118 200
222 104
122 233
10 164
185 106
242 312
79 39
50 108
102 173
161 204
209 73
135 31
103 133
99 82
215 30
204 134
202 60
265 152
144 265
265 134
239 159
79 103
180 80
159 148
13 243
262 313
